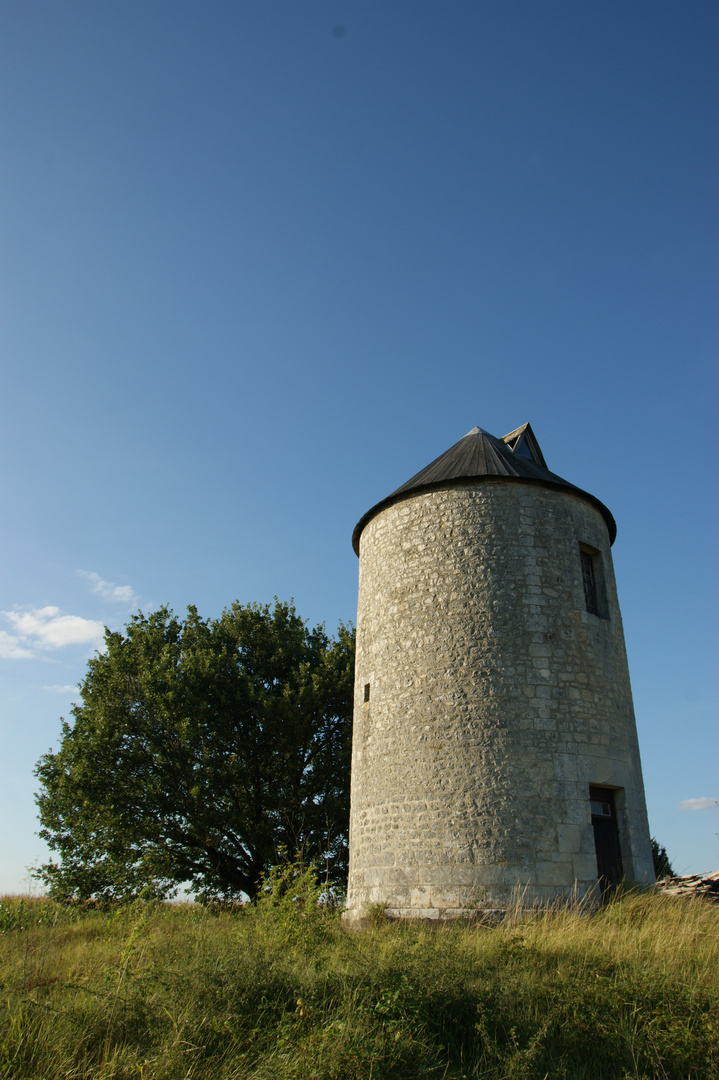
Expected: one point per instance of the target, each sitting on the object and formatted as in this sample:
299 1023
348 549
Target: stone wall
495 699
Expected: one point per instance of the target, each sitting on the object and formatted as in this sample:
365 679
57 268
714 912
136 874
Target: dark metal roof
481 456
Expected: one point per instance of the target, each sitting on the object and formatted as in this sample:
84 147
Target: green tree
199 751
662 865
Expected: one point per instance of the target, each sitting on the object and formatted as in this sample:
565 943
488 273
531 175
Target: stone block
555 874
569 839
584 867
420 897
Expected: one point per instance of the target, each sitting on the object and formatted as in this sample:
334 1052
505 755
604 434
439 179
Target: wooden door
606 839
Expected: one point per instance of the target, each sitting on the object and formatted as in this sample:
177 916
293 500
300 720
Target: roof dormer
523 441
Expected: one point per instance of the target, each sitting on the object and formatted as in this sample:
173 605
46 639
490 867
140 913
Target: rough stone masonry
491 693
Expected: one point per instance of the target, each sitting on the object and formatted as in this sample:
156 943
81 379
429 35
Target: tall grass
279 991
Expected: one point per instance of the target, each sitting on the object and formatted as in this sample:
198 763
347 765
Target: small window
595 593
589 580
366 691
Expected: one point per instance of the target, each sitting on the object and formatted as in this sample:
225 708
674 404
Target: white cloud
11 649
47 628
699 804
121 594
67 689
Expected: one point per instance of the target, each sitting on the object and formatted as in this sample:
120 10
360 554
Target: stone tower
494 737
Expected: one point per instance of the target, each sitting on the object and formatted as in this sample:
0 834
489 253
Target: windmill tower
494 739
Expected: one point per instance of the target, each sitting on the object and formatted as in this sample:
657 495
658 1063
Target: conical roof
480 456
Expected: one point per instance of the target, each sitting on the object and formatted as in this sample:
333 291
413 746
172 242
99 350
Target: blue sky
262 262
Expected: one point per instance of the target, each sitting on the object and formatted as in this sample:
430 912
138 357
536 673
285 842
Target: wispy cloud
699 804
67 689
11 649
38 629
119 594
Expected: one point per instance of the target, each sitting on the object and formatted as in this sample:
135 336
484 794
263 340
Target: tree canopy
201 750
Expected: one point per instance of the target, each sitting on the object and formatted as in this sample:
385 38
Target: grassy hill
163 992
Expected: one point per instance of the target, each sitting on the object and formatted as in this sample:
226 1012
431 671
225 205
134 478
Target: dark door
606 839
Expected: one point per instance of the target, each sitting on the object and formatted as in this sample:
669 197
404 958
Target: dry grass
163 992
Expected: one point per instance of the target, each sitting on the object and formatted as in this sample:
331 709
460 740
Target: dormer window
523 442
